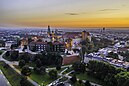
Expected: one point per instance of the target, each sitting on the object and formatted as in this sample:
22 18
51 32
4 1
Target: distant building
104 29
9 43
71 35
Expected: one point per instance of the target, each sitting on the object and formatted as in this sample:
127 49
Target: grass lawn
13 77
77 84
84 76
45 79
41 78
7 58
1 51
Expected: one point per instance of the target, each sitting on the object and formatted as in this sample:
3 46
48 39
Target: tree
80 82
128 69
113 55
37 70
7 54
5 65
25 47
126 83
38 63
22 63
83 51
42 70
33 48
79 67
58 67
24 82
87 83
25 56
122 78
30 40
26 70
14 55
73 79
53 74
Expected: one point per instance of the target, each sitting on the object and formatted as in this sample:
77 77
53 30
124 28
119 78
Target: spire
49 31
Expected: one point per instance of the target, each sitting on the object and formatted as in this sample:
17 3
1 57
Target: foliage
25 56
1 51
79 67
126 55
58 67
12 76
14 55
22 63
24 82
113 55
26 70
87 83
53 74
48 58
73 79
122 78
104 71
42 70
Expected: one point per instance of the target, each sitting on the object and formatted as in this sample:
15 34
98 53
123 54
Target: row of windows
40 45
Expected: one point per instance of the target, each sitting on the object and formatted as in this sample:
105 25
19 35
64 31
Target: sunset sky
65 13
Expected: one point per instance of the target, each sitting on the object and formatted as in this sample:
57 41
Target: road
3 80
15 63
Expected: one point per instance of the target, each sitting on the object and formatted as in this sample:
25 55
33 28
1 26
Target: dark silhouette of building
49 30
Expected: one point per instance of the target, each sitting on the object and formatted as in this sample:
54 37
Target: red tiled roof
123 49
70 60
58 43
38 42
71 34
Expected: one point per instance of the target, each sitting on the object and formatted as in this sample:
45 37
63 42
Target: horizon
65 13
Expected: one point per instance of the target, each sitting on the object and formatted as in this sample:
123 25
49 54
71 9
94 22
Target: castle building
42 46
48 31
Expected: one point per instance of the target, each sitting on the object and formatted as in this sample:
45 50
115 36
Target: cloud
108 10
72 14
123 5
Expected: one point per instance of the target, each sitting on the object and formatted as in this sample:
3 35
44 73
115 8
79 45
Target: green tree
25 56
42 70
24 82
14 55
22 63
38 63
79 67
83 51
87 83
53 74
26 70
122 78
113 55
73 79
58 67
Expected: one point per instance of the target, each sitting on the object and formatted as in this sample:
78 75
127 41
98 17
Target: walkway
3 80
16 63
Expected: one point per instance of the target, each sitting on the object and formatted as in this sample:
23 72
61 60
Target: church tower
48 30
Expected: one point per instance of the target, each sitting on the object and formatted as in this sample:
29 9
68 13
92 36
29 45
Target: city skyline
65 13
